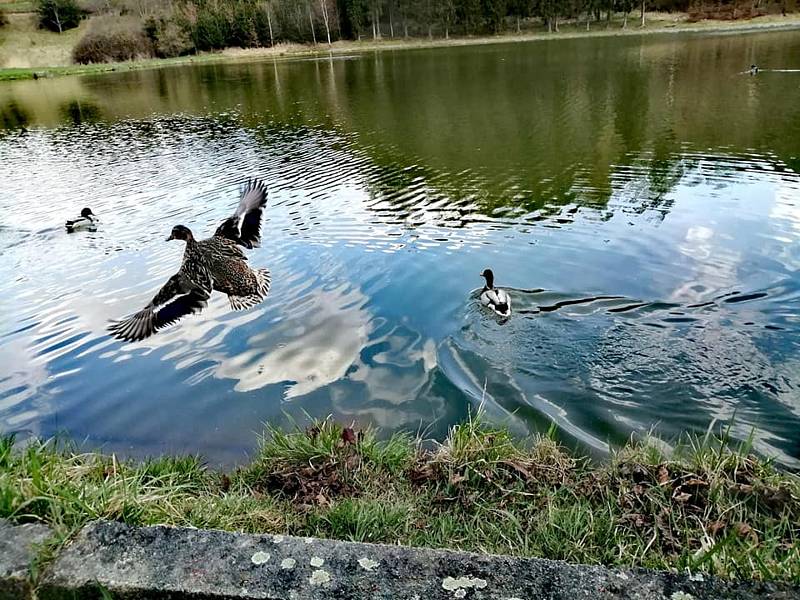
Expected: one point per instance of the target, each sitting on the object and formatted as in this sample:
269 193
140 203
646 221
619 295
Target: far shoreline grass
708 507
658 25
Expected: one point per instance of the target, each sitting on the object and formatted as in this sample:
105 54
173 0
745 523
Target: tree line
175 27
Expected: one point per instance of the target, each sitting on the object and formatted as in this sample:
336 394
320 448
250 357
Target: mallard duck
86 222
495 298
217 263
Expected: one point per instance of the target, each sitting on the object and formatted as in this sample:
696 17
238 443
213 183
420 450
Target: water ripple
663 292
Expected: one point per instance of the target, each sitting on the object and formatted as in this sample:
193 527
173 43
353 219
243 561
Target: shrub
58 15
96 7
169 37
113 39
3 18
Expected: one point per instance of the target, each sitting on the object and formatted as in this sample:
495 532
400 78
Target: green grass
11 74
710 506
17 6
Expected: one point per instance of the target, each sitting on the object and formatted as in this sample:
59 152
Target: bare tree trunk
625 21
588 19
391 18
269 22
518 28
447 31
58 19
311 20
324 4
429 14
556 24
549 25
643 6
376 26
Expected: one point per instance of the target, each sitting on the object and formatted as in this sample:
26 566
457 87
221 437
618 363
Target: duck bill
170 238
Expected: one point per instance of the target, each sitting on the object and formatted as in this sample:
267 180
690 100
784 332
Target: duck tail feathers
264 280
263 283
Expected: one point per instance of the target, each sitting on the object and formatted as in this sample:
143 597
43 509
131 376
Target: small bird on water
495 298
217 263
86 222
753 69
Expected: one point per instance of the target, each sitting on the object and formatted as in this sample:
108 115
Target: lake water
640 198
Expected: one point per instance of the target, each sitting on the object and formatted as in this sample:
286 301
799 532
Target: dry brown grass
24 45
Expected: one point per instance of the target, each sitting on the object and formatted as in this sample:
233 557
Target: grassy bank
708 507
27 52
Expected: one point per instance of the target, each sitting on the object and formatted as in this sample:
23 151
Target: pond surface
640 198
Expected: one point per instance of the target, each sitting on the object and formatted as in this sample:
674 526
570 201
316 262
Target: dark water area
639 197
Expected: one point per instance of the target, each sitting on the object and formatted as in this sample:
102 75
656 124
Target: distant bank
658 23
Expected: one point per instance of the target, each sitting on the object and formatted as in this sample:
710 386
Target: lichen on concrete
152 563
452 583
367 563
319 577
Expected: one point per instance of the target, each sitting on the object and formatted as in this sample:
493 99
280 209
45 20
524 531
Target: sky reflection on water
652 251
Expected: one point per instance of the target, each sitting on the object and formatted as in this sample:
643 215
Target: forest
128 29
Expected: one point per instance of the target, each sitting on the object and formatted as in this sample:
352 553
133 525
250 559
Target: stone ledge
164 562
17 552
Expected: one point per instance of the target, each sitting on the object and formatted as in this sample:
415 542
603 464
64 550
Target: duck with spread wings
217 263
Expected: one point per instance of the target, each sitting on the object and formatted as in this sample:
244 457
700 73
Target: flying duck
217 263
86 222
495 298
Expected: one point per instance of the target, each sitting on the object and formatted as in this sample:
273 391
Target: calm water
640 197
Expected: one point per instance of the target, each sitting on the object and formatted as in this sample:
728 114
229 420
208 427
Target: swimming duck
753 69
217 263
86 222
495 298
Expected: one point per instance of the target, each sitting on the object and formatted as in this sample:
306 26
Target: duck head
179 232
87 213
489 277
